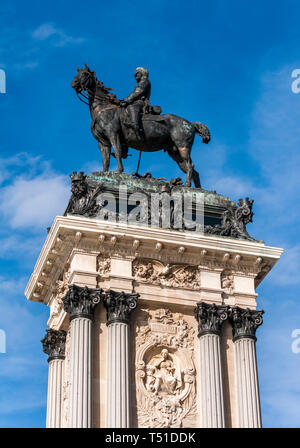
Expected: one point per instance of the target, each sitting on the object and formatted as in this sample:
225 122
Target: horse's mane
107 90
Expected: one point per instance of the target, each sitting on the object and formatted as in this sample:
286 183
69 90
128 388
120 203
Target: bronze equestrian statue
134 123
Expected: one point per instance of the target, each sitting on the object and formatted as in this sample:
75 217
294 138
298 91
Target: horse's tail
203 131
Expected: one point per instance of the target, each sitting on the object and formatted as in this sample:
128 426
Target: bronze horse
160 132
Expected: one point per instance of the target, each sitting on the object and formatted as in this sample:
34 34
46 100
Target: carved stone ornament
83 199
103 264
82 301
165 372
119 305
234 221
227 282
170 275
210 318
245 322
54 344
59 292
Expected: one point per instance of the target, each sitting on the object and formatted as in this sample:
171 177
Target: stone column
119 306
244 324
54 346
210 319
80 302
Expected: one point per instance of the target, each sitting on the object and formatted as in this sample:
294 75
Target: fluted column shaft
119 306
210 319
80 302
118 405
54 346
80 395
211 386
244 325
55 393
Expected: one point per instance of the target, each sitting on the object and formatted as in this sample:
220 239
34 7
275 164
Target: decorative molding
54 344
170 275
165 372
245 322
119 306
82 301
210 318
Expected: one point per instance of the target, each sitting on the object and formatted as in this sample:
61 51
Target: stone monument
153 313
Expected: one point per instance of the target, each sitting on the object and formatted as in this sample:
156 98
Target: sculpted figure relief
134 123
165 372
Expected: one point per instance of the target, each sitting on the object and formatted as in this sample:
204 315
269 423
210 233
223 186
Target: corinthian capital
210 318
82 301
119 306
54 344
245 322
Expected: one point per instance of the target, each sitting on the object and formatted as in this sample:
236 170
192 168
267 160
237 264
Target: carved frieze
165 372
170 275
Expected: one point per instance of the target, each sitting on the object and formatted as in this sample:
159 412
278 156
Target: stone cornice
86 234
210 318
54 344
245 322
82 301
119 306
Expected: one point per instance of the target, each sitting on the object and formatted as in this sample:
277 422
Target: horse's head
85 79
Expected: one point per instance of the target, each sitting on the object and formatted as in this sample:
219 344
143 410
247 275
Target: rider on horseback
138 101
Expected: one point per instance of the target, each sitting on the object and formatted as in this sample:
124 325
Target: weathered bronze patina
134 123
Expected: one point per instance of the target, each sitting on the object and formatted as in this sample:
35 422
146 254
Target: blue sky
225 63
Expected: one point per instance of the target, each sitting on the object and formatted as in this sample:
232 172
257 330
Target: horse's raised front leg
115 141
105 151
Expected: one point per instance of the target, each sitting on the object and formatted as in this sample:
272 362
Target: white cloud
47 30
34 202
33 199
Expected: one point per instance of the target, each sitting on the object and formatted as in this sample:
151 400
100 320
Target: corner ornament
234 221
119 306
83 199
245 322
54 344
210 318
82 301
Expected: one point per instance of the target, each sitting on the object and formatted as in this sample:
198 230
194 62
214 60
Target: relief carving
171 275
60 291
165 372
227 282
103 265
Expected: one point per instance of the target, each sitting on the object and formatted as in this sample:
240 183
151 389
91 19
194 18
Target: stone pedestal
186 356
